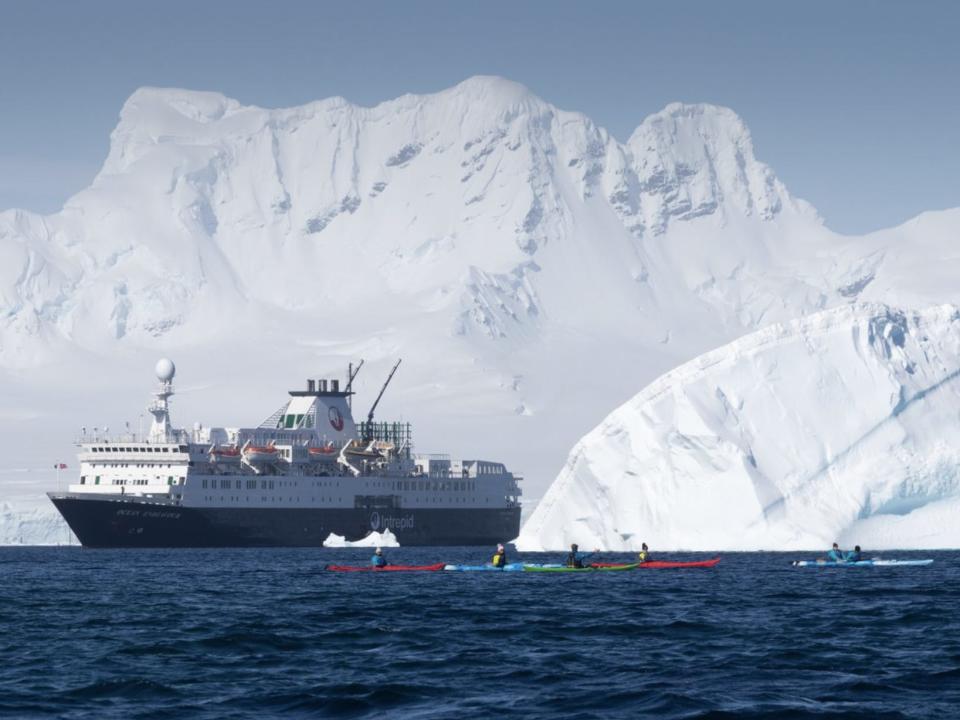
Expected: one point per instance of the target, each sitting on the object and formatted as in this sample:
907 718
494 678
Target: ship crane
368 427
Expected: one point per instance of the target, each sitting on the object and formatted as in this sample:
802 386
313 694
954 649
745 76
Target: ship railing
177 437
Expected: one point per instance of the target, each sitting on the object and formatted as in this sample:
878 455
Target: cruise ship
306 472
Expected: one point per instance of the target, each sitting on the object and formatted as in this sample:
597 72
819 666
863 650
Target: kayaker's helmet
643 546
574 547
499 547
836 547
857 548
379 551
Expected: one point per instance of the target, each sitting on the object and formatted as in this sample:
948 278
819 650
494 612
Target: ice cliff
844 425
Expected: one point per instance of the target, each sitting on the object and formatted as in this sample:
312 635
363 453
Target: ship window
238 484
97 480
170 480
83 480
165 450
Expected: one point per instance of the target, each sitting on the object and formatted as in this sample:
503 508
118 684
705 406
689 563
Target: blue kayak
877 562
509 567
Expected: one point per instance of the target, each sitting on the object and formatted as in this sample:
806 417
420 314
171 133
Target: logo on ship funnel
336 419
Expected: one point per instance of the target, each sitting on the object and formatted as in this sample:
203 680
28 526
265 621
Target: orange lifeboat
322 453
259 453
225 454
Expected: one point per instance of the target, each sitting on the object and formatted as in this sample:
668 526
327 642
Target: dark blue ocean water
261 633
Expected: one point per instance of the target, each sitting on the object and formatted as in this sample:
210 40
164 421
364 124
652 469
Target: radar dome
165 370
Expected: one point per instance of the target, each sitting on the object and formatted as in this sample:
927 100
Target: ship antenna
368 428
160 430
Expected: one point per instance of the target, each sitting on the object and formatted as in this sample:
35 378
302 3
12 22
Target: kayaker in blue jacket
500 557
835 554
575 558
378 560
854 555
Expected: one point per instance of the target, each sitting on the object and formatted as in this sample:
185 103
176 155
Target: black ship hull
131 522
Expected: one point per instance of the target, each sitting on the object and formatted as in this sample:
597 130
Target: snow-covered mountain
531 270
842 425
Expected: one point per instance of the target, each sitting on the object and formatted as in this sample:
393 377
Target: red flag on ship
59 466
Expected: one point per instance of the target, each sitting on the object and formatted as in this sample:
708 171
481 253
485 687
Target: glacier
532 270
842 425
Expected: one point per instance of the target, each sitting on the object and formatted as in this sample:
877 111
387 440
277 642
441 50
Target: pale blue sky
855 105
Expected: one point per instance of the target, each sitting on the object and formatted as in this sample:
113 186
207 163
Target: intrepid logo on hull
390 523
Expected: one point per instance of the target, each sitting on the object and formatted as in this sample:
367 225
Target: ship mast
352 373
160 429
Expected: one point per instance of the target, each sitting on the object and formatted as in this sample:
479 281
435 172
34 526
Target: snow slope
842 425
531 270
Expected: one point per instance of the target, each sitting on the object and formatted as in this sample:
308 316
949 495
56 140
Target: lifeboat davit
259 453
363 453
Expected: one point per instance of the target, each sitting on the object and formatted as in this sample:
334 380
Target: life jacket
499 560
574 561
642 557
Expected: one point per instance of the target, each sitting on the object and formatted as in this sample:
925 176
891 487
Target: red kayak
387 568
663 564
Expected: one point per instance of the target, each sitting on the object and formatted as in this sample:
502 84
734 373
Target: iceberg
839 426
373 540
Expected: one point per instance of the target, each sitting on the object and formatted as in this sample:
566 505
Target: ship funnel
335 385
310 385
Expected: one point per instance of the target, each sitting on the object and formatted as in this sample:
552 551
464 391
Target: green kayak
543 568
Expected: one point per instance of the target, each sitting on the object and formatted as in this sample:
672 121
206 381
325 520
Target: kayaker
643 556
575 558
500 557
378 560
854 555
835 554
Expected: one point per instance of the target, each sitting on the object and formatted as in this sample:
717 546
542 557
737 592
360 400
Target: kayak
862 563
509 567
555 568
386 568
665 564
